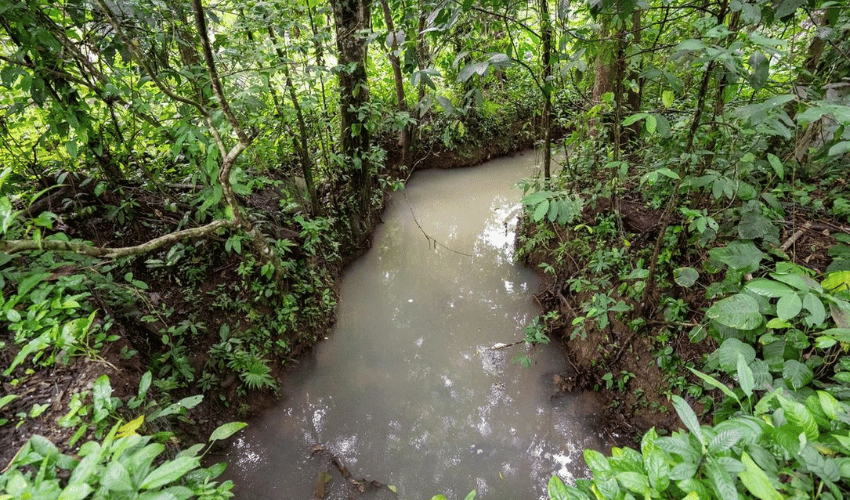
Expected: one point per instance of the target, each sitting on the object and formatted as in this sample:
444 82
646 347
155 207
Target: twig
429 238
794 237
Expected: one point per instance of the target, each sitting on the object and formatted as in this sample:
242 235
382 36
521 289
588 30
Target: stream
409 390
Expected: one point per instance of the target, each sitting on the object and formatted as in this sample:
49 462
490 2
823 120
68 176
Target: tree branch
16 246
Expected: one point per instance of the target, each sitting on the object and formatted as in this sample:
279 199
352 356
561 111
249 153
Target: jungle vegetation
180 183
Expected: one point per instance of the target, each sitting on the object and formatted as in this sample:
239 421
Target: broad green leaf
739 311
689 418
227 430
597 462
721 480
798 374
729 351
741 256
756 481
557 489
634 118
837 281
541 211
799 415
169 472
635 482
745 376
535 198
840 334
667 98
789 306
438 497
831 407
798 281
776 163
471 495
817 313
725 440
768 288
77 491
839 148
761 70
651 124
685 276
690 45
29 282
116 477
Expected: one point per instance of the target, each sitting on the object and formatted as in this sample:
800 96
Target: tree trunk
352 18
546 60
404 140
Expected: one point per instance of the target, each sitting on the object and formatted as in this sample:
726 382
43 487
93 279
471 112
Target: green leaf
169 472
739 311
725 440
839 148
729 351
667 98
831 407
634 118
227 430
745 376
761 70
799 415
768 288
651 124
597 462
837 281
689 418
557 489
635 482
756 481
796 373
715 383
690 45
30 282
685 276
789 306
740 256
75 492
721 480
471 495
817 313
776 163
541 211
116 477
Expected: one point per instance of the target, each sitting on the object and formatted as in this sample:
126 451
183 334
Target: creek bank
635 372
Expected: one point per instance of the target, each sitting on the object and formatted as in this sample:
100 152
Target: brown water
409 390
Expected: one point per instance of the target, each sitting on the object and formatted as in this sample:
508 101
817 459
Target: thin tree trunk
399 82
300 145
546 60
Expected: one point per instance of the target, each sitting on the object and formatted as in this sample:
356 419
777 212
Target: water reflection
409 390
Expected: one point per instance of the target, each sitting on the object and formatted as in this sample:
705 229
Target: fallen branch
796 236
16 246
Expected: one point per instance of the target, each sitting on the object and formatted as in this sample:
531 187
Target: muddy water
409 390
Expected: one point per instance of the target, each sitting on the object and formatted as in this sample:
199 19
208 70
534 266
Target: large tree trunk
352 19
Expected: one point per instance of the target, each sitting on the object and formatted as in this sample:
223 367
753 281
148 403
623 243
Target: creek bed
410 389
